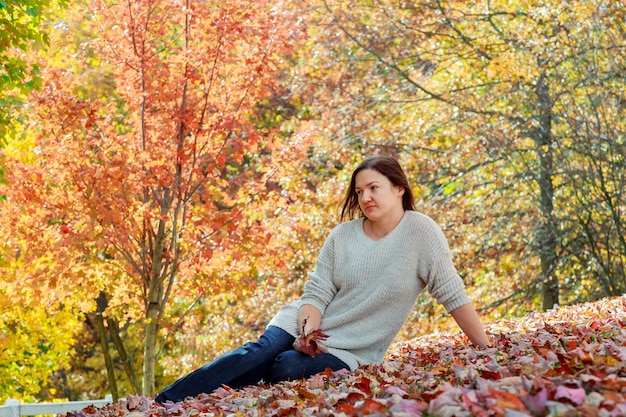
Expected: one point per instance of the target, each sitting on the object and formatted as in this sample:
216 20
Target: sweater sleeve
319 289
445 284
441 279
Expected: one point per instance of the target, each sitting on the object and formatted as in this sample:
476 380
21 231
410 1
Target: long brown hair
391 169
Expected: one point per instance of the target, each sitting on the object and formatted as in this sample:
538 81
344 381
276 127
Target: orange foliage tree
158 181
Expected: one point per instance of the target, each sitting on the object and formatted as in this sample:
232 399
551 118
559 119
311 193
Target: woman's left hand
310 343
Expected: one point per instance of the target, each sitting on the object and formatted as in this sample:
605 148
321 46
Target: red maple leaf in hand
310 343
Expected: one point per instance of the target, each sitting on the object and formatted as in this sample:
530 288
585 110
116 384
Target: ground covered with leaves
570 361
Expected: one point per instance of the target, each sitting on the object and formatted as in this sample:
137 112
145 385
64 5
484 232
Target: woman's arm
310 340
312 316
468 320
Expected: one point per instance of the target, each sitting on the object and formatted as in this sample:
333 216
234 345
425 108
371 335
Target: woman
365 283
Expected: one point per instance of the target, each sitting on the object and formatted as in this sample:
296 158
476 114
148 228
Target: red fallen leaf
310 343
371 406
569 342
286 412
357 404
365 386
346 408
353 398
542 349
471 402
90 409
428 396
506 400
552 329
495 376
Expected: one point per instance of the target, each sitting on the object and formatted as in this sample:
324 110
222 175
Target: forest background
170 169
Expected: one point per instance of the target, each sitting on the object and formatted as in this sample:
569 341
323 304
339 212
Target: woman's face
378 197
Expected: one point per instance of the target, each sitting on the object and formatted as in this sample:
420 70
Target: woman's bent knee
292 365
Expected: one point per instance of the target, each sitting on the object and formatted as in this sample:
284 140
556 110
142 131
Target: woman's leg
246 365
291 365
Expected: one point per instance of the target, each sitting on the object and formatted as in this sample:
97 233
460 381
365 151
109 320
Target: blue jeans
271 359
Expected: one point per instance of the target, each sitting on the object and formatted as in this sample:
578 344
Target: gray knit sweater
366 289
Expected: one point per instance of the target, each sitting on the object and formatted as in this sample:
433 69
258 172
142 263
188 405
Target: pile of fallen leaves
569 361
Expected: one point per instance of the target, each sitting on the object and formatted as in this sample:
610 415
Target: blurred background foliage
508 116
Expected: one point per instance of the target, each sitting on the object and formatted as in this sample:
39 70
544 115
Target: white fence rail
13 408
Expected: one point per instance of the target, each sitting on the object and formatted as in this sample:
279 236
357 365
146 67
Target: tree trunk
153 307
150 349
547 229
107 356
119 345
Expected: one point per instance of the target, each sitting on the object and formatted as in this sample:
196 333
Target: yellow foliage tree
483 102
38 324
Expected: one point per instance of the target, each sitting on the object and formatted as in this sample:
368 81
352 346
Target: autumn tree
479 101
41 318
33 342
23 29
594 238
159 180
